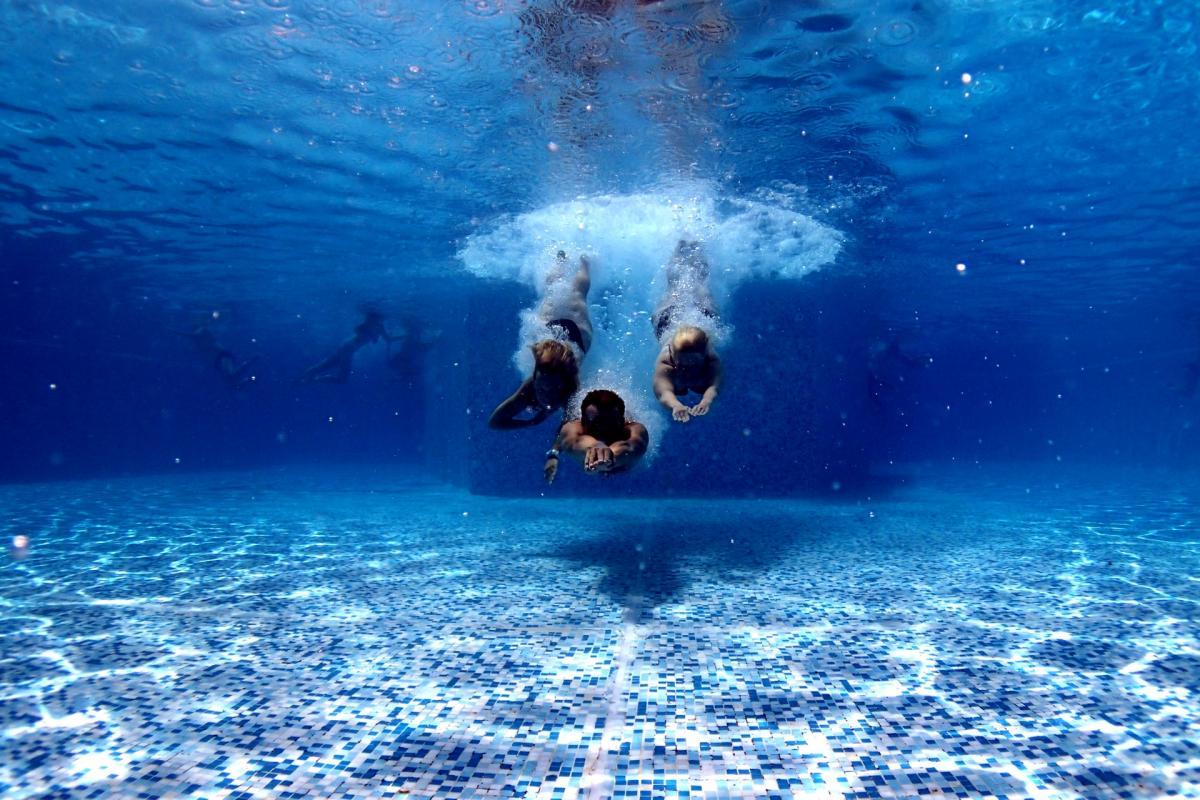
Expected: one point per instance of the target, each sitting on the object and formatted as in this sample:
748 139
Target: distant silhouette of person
407 360
887 366
687 362
602 439
336 368
557 357
236 375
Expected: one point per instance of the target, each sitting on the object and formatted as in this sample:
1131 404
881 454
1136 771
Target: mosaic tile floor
243 636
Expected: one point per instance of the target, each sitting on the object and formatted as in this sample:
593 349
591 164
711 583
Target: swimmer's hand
701 408
550 470
681 414
598 458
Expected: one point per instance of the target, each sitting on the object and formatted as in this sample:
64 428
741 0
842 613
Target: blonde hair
689 337
555 357
552 356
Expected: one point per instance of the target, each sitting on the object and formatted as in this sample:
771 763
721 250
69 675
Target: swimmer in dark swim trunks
556 359
602 439
336 368
687 362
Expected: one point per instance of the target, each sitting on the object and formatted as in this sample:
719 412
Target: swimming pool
342 634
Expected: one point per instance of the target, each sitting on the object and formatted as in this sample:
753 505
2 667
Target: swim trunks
662 320
570 330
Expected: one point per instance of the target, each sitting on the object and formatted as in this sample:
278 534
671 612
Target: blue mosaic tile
211 638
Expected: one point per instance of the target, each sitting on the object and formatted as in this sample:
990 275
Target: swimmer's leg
660 320
242 376
550 298
581 286
320 372
704 301
687 279
583 278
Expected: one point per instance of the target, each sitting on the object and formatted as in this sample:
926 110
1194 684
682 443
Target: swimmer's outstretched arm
599 457
574 442
626 452
664 388
505 417
320 370
550 468
714 388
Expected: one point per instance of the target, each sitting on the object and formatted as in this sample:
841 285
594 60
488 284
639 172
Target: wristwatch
551 453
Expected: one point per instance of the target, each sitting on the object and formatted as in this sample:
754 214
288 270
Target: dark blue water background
284 164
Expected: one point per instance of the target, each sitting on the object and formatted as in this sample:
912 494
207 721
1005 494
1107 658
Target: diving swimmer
687 362
336 368
235 375
601 438
557 357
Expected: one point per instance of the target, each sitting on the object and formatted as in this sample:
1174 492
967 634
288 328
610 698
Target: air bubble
483 8
897 32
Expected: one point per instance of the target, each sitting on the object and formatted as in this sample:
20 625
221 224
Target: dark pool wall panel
444 444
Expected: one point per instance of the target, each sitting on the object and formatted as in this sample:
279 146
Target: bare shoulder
570 430
638 433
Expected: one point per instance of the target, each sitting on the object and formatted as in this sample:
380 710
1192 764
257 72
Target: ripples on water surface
241 143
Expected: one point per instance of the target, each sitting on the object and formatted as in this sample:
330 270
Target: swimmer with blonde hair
687 362
556 359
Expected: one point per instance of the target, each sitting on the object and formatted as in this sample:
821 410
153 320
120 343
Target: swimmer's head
371 325
555 373
689 346
602 414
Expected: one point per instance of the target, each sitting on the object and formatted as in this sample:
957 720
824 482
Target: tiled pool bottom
274 636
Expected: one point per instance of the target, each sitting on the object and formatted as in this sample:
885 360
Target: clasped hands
683 413
599 458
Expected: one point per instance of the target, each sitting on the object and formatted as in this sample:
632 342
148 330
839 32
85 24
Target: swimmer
602 438
408 360
336 368
687 362
235 375
556 358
